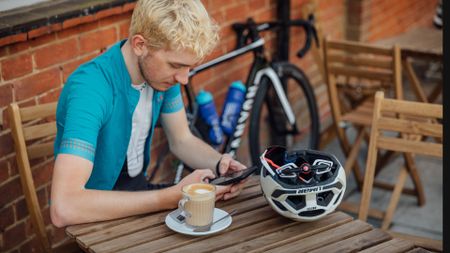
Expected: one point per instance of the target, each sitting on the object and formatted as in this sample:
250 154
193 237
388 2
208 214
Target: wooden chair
33 129
417 126
355 71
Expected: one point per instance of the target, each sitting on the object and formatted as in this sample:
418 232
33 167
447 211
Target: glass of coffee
198 203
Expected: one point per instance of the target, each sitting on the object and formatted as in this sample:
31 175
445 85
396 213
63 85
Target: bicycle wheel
268 122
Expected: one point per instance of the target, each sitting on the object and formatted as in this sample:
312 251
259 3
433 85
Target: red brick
261 4
115 19
68 68
44 30
236 13
13 170
97 40
77 21
124 30
5 94
6 217
58 235
17 66
18 47
22 208
32 245
10 191
37 84
3 51
56 53
128 7
42 40
108 12
43 174
6 145
13 39
51 96
14 236
78 30
4 171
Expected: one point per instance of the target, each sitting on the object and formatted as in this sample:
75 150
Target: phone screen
234 177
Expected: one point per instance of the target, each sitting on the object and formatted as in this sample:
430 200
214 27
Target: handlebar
249 31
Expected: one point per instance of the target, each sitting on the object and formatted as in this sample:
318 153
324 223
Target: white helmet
303 185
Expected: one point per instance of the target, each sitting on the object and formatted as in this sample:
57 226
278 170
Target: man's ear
138 44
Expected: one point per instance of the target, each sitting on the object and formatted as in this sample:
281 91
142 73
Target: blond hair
176 25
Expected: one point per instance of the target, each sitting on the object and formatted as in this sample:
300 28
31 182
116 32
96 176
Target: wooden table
255 228
423 44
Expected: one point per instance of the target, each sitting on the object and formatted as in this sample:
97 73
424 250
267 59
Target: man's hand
198 176
228 165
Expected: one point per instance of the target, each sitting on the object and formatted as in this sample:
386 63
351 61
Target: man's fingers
224 163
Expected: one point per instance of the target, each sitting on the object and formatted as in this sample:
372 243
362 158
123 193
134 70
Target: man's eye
175 66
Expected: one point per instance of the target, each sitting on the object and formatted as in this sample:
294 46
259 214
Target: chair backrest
358 70
402 126
33 129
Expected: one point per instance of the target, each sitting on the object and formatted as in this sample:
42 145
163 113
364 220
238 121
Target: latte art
201 191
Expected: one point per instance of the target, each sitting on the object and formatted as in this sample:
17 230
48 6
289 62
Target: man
107 113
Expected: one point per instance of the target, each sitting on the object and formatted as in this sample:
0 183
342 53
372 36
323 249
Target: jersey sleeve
173 100
84 106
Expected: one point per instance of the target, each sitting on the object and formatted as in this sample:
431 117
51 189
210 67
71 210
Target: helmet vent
297 202
312 213
324 198
279 205
338 197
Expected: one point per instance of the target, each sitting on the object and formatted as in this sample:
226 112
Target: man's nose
182 76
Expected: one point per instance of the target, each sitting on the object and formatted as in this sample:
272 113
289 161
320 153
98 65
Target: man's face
162 68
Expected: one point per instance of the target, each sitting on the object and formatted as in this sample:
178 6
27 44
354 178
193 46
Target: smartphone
234 177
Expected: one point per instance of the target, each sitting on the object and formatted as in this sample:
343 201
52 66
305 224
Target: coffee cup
198 203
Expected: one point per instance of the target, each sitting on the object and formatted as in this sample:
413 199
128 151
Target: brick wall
370 20
35 65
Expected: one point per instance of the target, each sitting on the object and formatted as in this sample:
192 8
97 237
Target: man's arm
71 203
186 146
196 153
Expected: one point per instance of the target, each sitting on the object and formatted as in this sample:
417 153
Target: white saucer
187 230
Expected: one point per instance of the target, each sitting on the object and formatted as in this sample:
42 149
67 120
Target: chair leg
345 146
353 156
412 170
394 198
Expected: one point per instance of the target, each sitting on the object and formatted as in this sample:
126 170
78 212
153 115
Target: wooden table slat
81 229
392 246
288 235
237 236
149 234
178 240
418 250
326 236
356 243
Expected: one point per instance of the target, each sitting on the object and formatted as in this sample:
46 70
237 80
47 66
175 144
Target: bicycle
266 100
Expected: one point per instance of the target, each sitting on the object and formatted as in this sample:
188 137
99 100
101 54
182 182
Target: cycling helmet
303 185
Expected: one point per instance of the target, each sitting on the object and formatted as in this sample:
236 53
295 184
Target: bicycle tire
264 112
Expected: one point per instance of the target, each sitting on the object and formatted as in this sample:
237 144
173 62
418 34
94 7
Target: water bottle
208 113
232 107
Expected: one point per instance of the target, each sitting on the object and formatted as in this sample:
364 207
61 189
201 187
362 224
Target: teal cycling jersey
94 115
